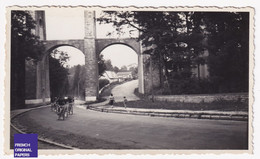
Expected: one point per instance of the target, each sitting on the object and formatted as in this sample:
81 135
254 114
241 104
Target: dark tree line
77 81
109 67
177 42
228 45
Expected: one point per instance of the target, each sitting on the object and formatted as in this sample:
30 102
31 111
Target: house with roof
122 76
110 75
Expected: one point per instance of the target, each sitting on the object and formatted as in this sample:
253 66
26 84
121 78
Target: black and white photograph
129 79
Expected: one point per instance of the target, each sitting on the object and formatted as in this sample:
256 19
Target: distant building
122 76
132 65
110 75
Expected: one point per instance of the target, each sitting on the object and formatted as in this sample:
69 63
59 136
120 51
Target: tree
62 56
171 38
77 76
123 68
101 65
134 71
177 41
116 69
229 50
109 65
59 83
24 44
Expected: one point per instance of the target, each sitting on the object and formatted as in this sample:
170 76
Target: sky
76 56
68 23
121 55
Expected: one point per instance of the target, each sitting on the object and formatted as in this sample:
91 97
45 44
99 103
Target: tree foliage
169 37
229 50
177 42
101 65
77 76
134 71
23 39
116 69
123 68
62 56
59 85
109 65
58 69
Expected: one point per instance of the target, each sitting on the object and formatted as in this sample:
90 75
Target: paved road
86 127
127 90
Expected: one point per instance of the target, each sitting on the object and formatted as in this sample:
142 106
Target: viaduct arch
91 48
101 44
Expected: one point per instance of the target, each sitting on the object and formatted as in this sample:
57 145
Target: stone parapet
200 98
37 101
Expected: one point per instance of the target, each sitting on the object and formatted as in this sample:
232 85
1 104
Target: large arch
43 93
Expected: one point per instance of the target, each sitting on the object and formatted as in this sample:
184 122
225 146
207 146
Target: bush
103 82
202 86
184 86
191 86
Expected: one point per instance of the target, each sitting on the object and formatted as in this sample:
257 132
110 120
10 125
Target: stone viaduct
91 47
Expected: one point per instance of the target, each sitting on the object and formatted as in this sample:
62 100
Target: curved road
127 90
88 129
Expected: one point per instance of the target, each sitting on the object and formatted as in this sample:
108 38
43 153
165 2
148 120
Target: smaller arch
119 55
117 43
101 44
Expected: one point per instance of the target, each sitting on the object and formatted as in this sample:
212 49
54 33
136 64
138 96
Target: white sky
76 56
64 24
120 54
68 23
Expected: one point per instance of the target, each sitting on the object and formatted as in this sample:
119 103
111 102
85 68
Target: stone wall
52 44
207 98
30 79
37 86
151 81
